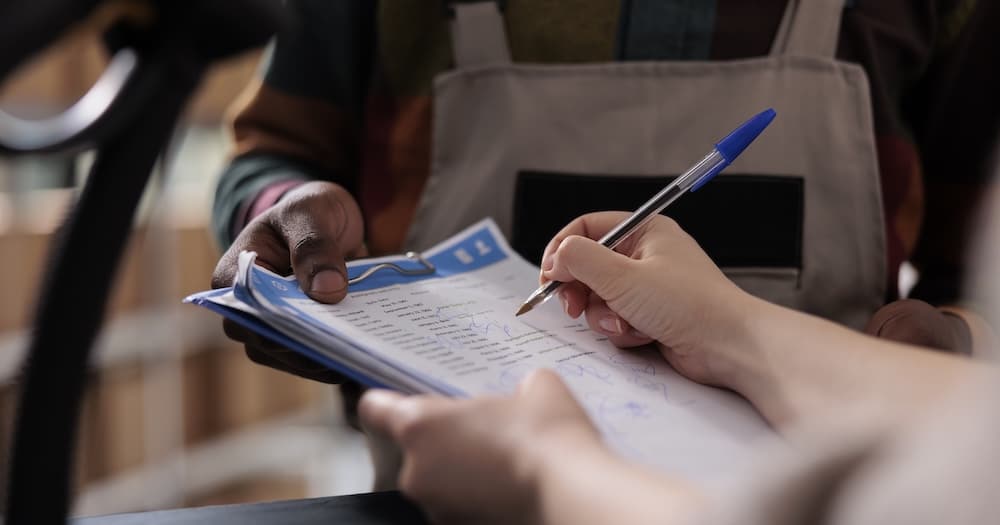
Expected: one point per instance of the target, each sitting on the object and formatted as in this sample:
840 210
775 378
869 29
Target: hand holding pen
724 153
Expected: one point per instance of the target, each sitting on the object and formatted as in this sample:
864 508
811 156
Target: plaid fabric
346 97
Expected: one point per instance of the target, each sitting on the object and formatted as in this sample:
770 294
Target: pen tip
525 308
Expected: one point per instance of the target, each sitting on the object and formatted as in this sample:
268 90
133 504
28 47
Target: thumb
319 266
543 383
379 409
319 230
581 259
377 412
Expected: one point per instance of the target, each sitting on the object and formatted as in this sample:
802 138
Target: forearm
794 367
279 138
297 123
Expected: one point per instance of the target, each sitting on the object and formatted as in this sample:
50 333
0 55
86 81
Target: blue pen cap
737 141
727 149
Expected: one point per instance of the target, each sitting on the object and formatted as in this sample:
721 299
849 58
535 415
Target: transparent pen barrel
708 166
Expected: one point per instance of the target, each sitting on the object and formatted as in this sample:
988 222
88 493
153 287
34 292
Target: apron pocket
747 224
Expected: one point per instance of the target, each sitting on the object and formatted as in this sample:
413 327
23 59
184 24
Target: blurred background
174 413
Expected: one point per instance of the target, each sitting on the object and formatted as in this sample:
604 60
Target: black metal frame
172 49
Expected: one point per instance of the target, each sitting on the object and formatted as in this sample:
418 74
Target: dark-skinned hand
918 323
310 233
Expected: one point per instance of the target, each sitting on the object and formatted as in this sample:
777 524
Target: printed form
454 332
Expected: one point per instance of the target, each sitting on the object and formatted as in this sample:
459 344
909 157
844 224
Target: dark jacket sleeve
955 114
303 118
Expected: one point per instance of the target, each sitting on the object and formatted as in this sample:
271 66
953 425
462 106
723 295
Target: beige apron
494 118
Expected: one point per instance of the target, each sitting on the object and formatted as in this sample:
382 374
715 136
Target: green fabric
243 179
667 30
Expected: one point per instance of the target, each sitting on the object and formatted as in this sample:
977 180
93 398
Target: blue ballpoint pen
724 153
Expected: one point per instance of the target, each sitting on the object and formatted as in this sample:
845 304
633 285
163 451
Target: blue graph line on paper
571 370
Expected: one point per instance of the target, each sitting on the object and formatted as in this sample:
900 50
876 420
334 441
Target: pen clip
708 176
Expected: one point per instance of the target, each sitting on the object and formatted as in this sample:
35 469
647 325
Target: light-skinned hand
658 285
481 460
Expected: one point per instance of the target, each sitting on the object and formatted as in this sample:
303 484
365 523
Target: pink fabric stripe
267 197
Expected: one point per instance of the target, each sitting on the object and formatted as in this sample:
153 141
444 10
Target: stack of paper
454 332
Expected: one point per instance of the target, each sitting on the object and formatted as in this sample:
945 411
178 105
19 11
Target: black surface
739 220
380 508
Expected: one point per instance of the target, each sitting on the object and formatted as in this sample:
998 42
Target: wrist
729 358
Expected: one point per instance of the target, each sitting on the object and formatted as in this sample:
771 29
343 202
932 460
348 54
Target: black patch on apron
740 221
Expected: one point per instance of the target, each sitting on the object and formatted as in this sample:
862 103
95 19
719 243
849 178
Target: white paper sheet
456 333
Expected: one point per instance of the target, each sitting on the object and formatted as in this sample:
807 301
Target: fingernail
547 263
327 281
565 303
611 324
378 396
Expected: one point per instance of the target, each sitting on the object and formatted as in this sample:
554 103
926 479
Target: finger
544 387
378 409
591 226
604 320
543 383
350 395
603 271
573 296
376 414
288 362
238 332
918 323
400 417
292 361
321 225
259 237
264 351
